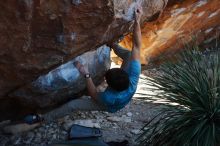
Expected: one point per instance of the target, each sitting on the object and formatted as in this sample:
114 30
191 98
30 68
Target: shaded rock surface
58 86
36 36
65 81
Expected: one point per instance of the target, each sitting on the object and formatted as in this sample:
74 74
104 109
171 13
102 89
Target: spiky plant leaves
190 115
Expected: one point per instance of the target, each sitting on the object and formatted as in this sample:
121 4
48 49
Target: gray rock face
65 81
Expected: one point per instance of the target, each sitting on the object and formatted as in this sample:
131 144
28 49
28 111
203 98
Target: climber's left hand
81 68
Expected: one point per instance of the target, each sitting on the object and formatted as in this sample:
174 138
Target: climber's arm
91 88
137 35
90 85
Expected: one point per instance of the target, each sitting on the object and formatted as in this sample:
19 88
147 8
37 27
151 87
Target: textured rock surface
65 81
179 22
36 36
58 86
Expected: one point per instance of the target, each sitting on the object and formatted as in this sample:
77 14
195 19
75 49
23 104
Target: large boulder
181 22
37 36
64 82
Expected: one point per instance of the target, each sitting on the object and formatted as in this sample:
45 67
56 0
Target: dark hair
117 79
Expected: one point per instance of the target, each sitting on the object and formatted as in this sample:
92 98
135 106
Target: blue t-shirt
115 100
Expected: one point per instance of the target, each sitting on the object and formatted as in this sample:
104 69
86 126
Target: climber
122 82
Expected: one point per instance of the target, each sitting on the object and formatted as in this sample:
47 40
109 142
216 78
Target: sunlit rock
180 22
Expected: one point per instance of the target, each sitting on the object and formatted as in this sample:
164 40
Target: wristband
87 76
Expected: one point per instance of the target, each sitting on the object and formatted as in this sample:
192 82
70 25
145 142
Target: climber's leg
82 104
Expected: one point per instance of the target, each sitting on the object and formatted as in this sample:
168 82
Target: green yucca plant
190 114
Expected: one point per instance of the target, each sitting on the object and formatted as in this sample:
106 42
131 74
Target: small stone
87 123
99 120
66 118
38 135
63 137
41 129
30 134
37 140
83 115
115 124
97 125
135 131
124 116
76 2
51 131
64 132
129 135
55 126
129 114
94 112
28 141
17 141
114 119
106 113
51 125
127 120
54 136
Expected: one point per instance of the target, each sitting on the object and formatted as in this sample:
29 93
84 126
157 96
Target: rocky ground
123 125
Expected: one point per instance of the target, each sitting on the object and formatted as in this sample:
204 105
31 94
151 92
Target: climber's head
117 79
